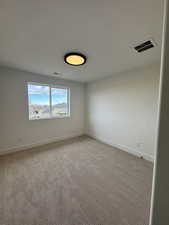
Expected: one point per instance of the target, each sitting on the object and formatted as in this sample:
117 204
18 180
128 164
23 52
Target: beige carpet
75 182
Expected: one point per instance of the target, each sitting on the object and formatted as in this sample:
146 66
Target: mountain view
43 111
39 101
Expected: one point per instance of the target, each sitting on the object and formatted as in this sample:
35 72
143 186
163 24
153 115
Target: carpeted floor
76 182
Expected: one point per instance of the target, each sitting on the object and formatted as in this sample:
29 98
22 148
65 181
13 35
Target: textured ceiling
36 34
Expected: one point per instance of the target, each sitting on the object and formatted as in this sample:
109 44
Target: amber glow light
75 59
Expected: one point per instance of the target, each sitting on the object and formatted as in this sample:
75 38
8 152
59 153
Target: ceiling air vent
144 46
56 73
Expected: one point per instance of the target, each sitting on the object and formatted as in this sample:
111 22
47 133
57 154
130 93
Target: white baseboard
47 141
124 148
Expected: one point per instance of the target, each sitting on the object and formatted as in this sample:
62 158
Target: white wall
16 131
122 110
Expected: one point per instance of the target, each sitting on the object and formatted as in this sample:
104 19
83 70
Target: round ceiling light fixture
75 59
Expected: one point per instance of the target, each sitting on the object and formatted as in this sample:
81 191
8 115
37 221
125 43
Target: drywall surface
122 110
16 130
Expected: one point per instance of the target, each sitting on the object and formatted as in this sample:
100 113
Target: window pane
39 101
59 97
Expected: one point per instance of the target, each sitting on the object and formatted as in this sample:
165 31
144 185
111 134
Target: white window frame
50 100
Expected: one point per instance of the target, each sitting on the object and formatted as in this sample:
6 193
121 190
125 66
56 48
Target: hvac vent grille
56 73
144 46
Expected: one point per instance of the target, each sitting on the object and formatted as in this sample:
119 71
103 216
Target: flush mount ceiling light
75 59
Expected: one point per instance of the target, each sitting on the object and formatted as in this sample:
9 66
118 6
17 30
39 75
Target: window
47 101
59 101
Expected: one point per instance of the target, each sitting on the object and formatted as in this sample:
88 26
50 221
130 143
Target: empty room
84 112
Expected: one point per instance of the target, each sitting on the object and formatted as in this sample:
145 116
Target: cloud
35 89
39 94
38 89
59 91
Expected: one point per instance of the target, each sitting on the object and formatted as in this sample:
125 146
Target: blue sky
40 95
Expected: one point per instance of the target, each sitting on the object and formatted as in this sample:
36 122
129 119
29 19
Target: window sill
50 118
